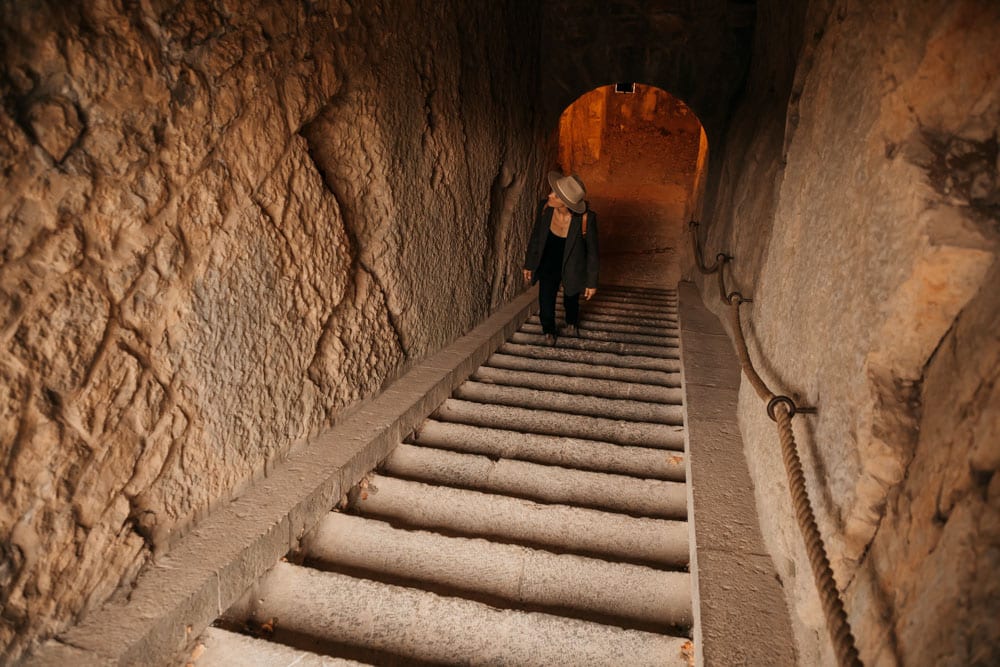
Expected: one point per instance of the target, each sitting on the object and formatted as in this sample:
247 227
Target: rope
833 607
781 409
741 348
720 262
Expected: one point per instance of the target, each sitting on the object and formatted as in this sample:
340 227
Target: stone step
547 422
517 576
588 316
626 300
639 292
542 483
587 386
567 529
622 349
596 359
634 300
635 289
635 310
410 626
587 333
584 370
222 648
538 516
612 327
633 305
622 316
668 296
553 450
575 404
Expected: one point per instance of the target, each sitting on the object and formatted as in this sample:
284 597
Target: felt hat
570 190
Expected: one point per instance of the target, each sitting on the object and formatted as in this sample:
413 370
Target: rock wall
223 225
859 195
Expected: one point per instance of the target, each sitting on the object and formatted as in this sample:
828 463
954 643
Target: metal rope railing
781 409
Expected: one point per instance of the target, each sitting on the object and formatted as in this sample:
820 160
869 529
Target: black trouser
548 289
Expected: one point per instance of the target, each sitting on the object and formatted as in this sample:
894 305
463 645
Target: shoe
550 339
572 330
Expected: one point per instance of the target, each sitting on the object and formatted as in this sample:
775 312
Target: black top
580 256
550 267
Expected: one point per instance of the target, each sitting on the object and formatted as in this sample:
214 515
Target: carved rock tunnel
228 231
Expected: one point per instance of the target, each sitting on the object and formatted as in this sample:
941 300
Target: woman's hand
527 275
589 292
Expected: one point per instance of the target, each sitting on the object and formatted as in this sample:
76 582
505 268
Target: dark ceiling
697 50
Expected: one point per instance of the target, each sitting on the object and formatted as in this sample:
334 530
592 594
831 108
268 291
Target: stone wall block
15 148
60 336
261 214
113 387
944 504
27 225
943 586
55 254
868 597
306 214
984 433
193 126
934 289
259 117
345 347
864 237
119 448
154 449
57 126
204 216
985 591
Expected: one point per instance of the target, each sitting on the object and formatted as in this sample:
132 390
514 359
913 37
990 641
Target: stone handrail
781 409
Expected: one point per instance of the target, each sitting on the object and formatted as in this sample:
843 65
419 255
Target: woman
562 249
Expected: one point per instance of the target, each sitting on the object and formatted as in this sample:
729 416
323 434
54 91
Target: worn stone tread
584 370
222 648
626 349
544 501
579 530
543 483
416 625
516 575
536 349
667 340
644 462
547 422
586 386
557 401
590 324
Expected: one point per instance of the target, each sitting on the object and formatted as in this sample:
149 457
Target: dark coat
579 267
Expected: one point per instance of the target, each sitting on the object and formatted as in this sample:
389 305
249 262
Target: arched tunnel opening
643 155
254 258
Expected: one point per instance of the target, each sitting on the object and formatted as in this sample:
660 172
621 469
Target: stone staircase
538 516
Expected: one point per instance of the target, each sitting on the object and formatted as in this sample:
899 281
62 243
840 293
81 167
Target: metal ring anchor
735 298
773 403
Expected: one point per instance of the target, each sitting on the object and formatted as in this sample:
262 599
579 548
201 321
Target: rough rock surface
860 198
222 225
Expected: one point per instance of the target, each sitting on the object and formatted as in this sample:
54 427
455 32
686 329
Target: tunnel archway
643 155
